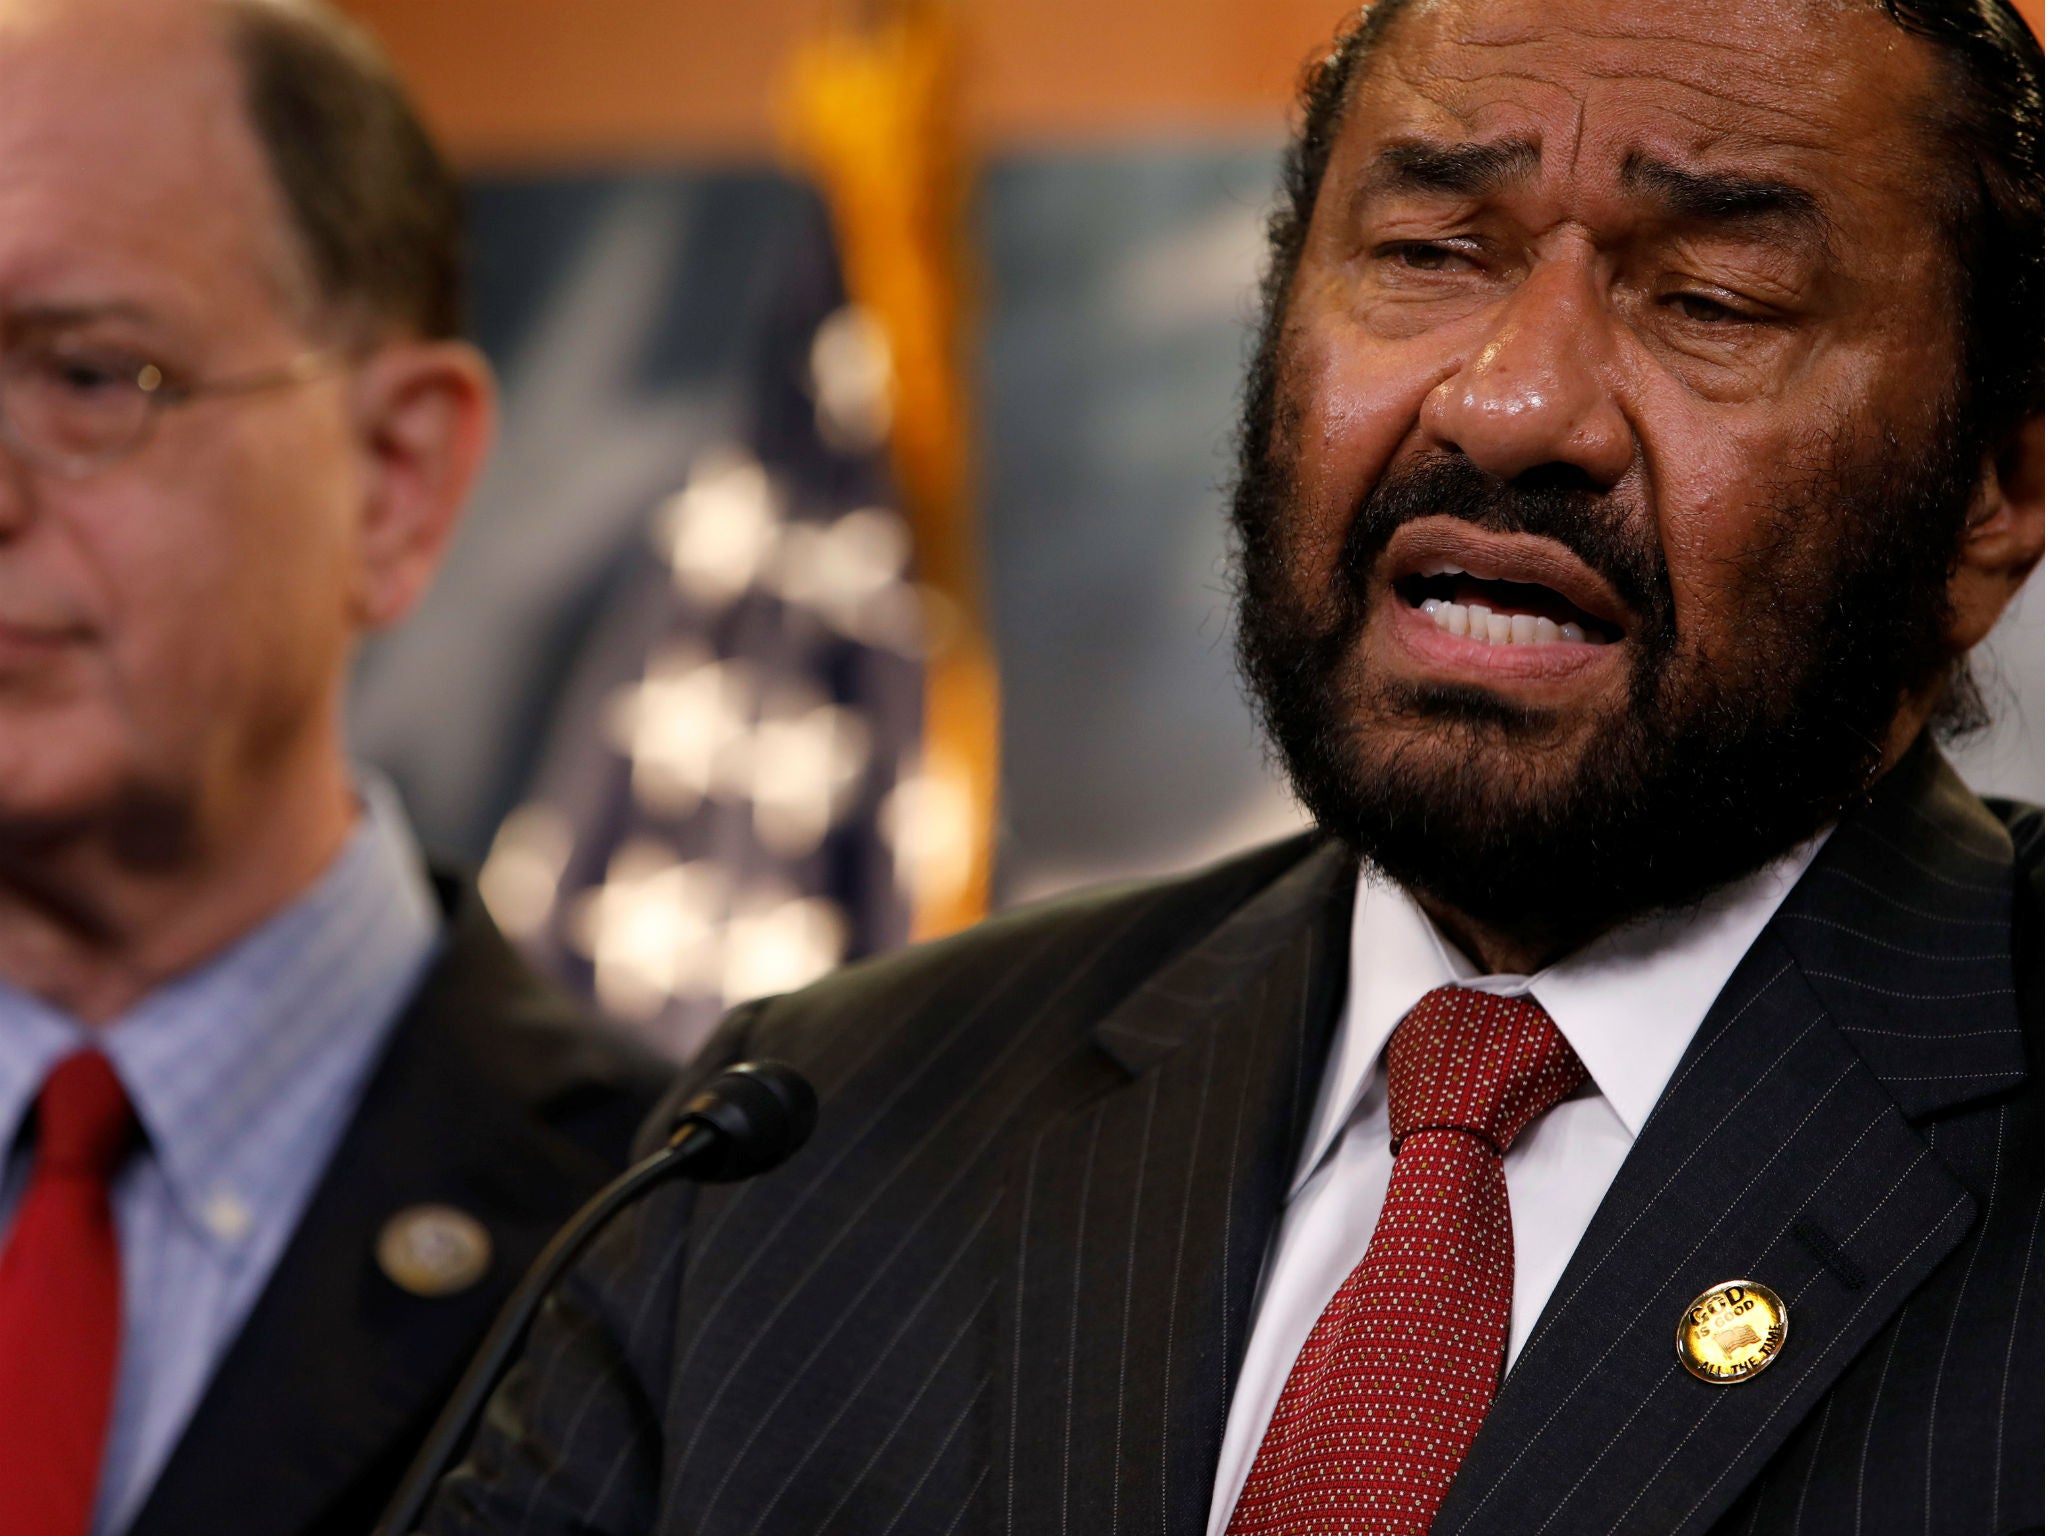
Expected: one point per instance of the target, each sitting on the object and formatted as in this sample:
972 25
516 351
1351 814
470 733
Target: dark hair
1320 101
371 202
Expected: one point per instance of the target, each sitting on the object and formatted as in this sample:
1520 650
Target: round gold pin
1731 1331
433 1250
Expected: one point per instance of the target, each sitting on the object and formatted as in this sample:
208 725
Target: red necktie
60 1305
1388 1392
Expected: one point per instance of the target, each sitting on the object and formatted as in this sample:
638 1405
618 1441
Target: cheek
1740 552
1749 497
294 574
145 699
225 583
1349 405
160 577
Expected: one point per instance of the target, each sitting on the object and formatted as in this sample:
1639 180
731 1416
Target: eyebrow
1752 203
58 317
1755 204
1460 170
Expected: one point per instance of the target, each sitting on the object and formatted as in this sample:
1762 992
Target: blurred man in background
284 1118
1645 427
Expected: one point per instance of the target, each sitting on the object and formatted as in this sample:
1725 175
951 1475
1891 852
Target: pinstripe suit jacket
1007 1287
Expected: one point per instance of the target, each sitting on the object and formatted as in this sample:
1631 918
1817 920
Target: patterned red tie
60 1305
1388 1392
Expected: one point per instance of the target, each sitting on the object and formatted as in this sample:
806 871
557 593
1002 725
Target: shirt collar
35 1039
1628 1003
211 1059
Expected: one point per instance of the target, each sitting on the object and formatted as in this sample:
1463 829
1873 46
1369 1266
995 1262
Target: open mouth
1500 612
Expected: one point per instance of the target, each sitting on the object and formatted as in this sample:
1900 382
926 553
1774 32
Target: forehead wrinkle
1681 39
1716 134
1446 80
1720 116
1539 35
1441 93
1670 51
1744 103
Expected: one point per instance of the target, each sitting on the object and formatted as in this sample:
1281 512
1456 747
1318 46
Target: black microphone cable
747 1120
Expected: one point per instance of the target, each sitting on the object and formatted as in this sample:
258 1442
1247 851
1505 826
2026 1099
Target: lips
1502 589
33 641
23 632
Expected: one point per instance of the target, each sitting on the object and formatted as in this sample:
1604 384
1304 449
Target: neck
1495 951
93 920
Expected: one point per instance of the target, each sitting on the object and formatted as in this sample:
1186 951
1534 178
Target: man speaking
1623 1113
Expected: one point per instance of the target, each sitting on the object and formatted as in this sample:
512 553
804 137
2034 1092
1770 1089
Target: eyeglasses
74 412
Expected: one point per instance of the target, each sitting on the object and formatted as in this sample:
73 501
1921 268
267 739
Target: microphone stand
721 1137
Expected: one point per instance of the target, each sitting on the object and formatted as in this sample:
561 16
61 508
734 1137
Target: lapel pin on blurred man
283 1116
1623 1114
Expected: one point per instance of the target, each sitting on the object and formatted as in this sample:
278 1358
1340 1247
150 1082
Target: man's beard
1708 772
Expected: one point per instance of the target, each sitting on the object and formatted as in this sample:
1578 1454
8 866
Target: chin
1550 835
61 777
1474 740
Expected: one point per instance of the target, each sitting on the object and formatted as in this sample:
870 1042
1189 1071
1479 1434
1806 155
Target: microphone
747 1120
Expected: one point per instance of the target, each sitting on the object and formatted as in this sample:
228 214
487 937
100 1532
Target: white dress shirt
1628 1003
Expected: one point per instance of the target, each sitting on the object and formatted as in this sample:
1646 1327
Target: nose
1537 391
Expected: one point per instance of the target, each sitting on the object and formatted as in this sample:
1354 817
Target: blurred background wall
638 229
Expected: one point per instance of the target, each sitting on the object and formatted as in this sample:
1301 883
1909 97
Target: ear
2002 539
424 414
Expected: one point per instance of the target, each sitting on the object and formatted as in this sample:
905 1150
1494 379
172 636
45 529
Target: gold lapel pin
433 1250
1731 1331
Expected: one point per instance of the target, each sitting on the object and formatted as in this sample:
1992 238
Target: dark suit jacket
497 1095
1007 1288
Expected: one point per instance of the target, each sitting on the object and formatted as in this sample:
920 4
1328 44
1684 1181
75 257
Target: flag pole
873 116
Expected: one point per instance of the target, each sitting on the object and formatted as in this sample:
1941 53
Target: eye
86 376
81 375
1702 310
1426 256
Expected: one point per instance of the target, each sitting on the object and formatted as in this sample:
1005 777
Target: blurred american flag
731 805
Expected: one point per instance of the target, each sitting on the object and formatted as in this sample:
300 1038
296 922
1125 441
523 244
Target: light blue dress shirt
243 1073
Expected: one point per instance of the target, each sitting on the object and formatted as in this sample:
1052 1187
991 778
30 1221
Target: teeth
1479 622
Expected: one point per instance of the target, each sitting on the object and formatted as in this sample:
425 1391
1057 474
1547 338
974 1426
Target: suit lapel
1142 1220
1905 931
319 1401
1783 1151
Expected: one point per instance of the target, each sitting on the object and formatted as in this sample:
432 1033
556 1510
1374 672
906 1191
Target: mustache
1559 506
